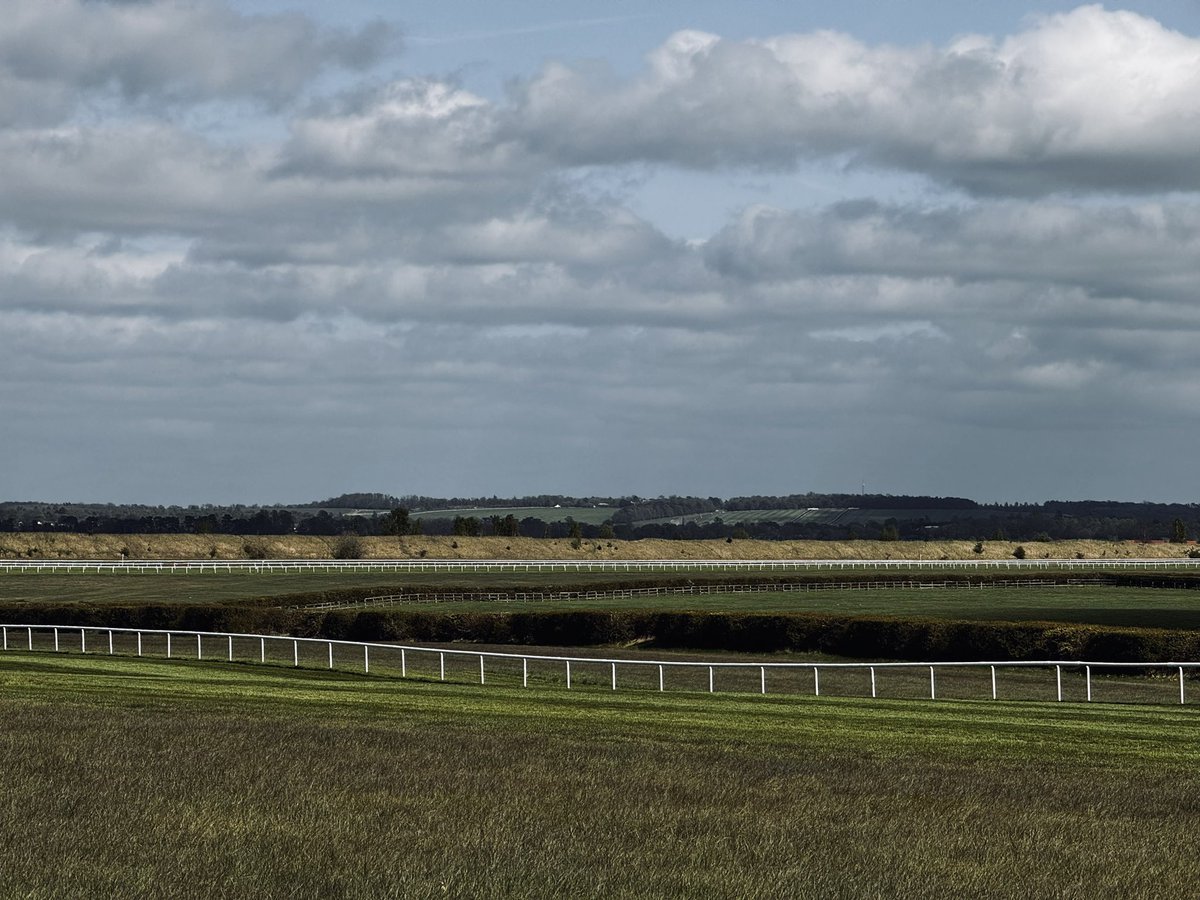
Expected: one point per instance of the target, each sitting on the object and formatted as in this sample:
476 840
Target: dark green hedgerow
862 637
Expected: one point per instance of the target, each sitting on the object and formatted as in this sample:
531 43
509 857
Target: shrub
348 546
255 549
978 548
1019 553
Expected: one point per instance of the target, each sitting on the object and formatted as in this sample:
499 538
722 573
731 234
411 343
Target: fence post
331 654
139 640
762 675
199 649
5 637
231 648
1087 679
872 682
524 672
481 676
296 653
816 682
366 660
442 663
1181 685
262 650
568 674
1058 681
614 679
168 645
710 679
660 678
932 685
110 642
403 664
993 682
55 640
30 637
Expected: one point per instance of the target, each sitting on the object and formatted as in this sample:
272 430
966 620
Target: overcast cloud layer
251 258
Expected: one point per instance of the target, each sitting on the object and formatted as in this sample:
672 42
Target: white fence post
872 682
366 660
1058 681
442 657
1087 679
1181 685
296 653
139 642
262 650
199 646
524 672
932 685
110 642
614 676
55 640
5 637
710 679
482 679
231 648
168 645
660 679
762 678
568 674
403 664
993 682
816 682
30 637
331 654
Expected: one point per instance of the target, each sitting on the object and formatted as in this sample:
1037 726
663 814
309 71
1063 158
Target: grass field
154 779
1099 605
1145 608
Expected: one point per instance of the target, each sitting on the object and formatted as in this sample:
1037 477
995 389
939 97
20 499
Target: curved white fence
430 663
365 566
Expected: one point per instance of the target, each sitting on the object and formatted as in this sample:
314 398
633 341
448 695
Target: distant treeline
892 517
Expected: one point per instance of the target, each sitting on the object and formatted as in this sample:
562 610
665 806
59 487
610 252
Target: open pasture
152 778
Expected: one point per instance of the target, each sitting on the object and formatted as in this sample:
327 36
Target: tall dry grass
38 545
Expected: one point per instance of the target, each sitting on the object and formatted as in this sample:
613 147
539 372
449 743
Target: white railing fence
365 566
944 680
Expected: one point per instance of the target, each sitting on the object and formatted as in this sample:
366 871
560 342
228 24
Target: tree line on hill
903 517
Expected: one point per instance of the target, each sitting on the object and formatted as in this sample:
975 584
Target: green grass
154 779
1140 607
1087 604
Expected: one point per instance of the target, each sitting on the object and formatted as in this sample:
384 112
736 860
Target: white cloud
1090 99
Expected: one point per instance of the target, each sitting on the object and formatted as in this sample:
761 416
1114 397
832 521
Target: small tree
1178 532
397 522
978 548
1019 553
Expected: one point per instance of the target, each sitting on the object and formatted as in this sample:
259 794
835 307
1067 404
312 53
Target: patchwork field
222 781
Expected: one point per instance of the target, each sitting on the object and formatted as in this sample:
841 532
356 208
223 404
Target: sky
269 251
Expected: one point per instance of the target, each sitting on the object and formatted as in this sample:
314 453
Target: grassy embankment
188 779
39 545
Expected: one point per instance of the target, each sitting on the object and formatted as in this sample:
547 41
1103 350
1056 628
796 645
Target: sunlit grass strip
958 679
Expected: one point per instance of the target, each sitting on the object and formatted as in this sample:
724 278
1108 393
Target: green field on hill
215 780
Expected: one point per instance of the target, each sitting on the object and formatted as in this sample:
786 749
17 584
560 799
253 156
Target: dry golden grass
220 546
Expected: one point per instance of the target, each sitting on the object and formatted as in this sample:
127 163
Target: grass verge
161 779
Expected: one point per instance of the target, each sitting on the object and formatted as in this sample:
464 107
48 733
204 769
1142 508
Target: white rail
364 566
360 655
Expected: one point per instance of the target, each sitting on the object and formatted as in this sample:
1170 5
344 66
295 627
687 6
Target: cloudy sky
270 250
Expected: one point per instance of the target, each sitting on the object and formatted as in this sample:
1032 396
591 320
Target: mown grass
1094 604
1097 605
154 779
